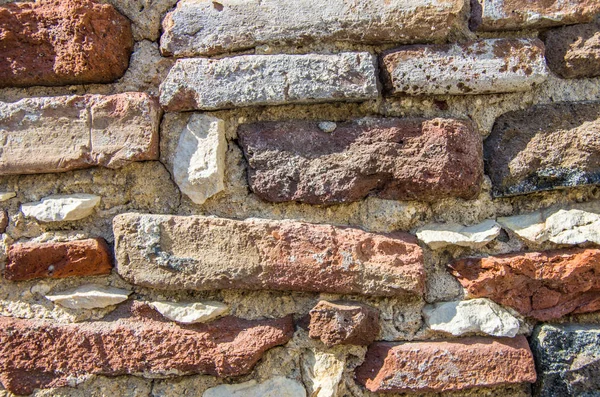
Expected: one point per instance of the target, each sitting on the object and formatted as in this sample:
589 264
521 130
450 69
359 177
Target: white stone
7 195
278 386
90 296
440 235
193 312
327 126
475 315
58 208
322 373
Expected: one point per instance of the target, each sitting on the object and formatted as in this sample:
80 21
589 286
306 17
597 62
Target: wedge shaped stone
57 208
89 296
440 235
191 312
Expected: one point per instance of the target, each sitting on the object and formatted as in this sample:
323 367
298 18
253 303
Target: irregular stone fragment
199 163
58 208
3 221
446 365
481 67
492 15
57 134
278 386
203 253
396 159
27 261
43 354
327 126
192 312
440 235
474 315
7 195
574 51
544 285
90 296
543 148
322 373
344 323
205 28
253 80
57 42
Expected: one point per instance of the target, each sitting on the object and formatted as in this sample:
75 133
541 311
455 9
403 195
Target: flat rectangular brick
396 159
57 134
253 80
201 253
574 51
446 365
205 28
481 67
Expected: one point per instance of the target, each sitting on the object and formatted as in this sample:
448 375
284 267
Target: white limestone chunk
192 312
90 296
57 208
440 235
278 386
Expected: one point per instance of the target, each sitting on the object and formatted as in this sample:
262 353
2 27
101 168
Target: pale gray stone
4 196
322 373
90 296
440 235
59 208
191 312
327 126
278 386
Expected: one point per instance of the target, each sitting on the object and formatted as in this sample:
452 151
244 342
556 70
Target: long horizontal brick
484 66
60 42
398 159
205 28
42 354
543 285
493 15
574 51
446 365
28 261
252 80
543 148
57 134
202 253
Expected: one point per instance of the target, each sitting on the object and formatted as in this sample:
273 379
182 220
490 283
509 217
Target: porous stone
199 162
89 296
544 285
481 67
43 354
473 315
543 148
58 208
446 365
322 373
3 221
4 196
344 323
203 253
191 312
278 386
205 28
57 134
440 235
27 261
252 80
56 42
396 159
574 51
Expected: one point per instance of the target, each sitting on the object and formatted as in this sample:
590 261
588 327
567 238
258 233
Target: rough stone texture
57 42
57 134
544 147
322 373
344 323
89 296
446 365
145 15
398 159
278 386
28 261
4 196
199 163
253 80
203 28
191 312
201 253
568 360
440 235
481 67
57 208
41 354
543 285
493 15
3 221
574 51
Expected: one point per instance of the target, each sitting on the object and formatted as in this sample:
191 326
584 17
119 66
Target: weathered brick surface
203 28
484 66
446 365
574 51
252 80
399 159
28 261
491 15
200 253
544 147
42 354
56 134
544 285
58 42
344 323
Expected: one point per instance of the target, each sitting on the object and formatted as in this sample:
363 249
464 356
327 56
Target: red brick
344 323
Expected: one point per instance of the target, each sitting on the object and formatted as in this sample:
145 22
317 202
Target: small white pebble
327 126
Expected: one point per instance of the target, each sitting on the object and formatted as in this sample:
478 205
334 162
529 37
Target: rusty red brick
344 323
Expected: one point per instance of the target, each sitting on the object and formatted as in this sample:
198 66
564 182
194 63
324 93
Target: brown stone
574 51
3 221
60 42
28 261
396 159
446 365
344 323
43 354
543 285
